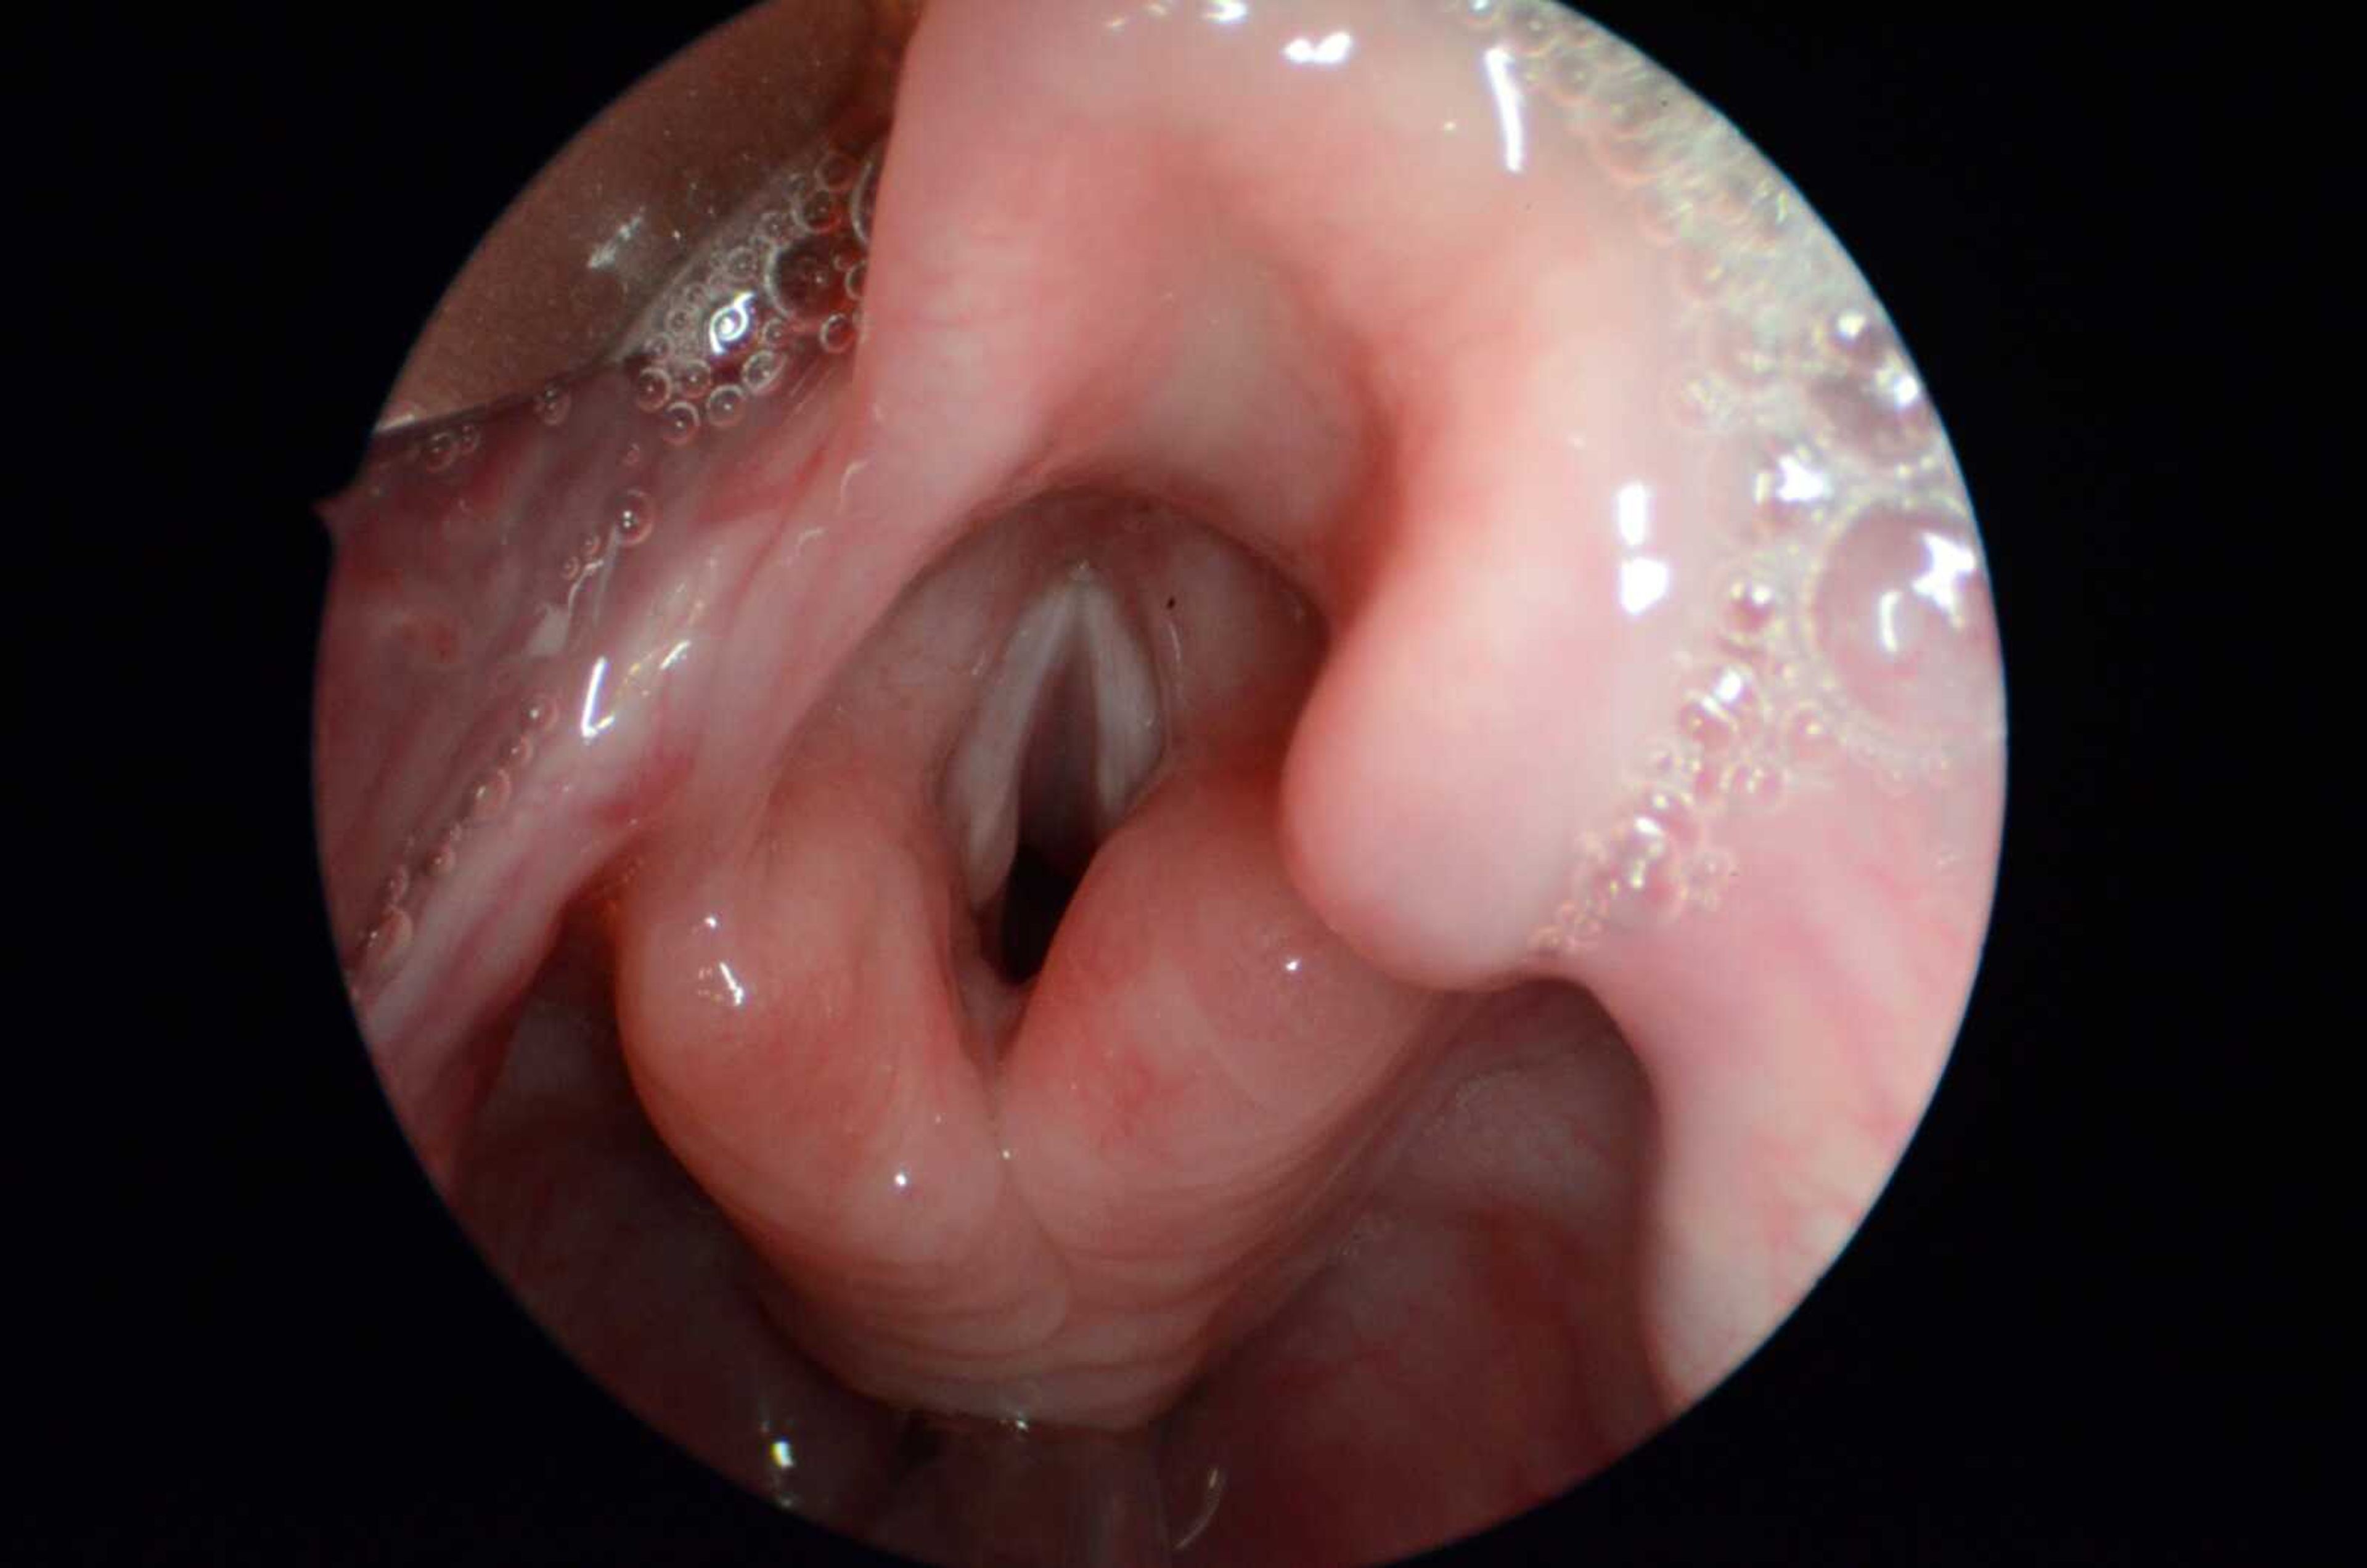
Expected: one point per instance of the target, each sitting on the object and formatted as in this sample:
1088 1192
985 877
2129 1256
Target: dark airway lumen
1032 903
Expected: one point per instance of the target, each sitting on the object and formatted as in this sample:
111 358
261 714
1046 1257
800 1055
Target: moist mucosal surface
1252 765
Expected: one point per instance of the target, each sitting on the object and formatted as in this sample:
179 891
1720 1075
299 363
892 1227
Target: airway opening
1058 831
1035 900
1057 837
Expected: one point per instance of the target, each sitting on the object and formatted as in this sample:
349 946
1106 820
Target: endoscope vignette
1074 757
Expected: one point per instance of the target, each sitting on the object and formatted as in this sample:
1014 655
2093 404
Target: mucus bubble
803 283
836 171
635 519
1900 613
763 372
820 213
489 795
383 944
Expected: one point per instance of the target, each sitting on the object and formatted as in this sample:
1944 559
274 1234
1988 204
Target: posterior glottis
841 804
